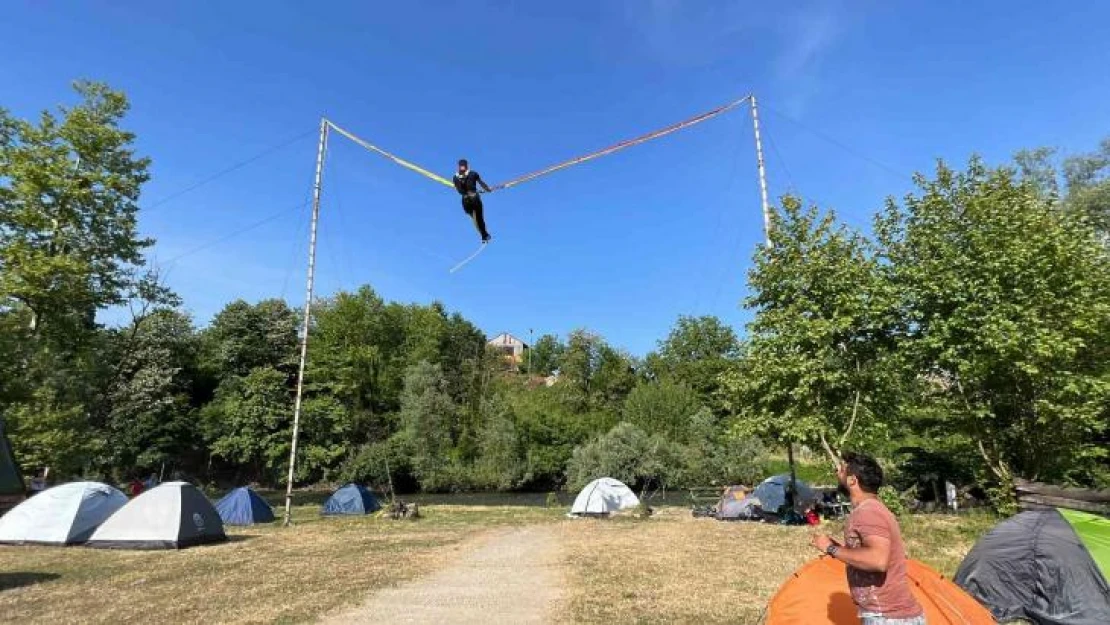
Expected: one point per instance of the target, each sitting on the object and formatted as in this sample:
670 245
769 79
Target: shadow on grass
9 581
240 538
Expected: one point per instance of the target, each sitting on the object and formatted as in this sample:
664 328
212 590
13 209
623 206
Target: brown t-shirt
880 593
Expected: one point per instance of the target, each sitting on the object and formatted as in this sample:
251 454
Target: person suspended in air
467 182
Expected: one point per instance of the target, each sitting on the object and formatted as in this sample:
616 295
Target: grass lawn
674 568
670 568
265 574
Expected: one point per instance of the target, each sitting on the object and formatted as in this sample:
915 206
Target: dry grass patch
673 568
265 574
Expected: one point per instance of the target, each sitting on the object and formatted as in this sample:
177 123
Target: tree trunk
793 472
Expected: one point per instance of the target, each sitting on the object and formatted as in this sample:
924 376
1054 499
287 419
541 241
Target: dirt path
510 577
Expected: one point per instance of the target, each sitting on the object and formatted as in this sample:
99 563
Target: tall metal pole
320 150
762 174
767 241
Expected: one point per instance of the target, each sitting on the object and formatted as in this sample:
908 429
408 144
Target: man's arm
482 182
873 555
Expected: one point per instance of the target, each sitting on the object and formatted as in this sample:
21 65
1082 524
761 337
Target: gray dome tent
64 515
1046 566
772 494
170 516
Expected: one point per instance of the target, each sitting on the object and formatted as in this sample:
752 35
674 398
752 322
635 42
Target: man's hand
821 542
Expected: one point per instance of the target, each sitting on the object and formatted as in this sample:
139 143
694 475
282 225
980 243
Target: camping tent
170 516
772 494
602 497
63 515
1047 566
11 480
243 506
817 594
737 503
352 499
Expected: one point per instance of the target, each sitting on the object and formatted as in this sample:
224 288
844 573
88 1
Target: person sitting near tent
872 549
135 488
467 182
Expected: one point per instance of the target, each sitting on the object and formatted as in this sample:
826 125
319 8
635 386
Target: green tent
11 480
1094 531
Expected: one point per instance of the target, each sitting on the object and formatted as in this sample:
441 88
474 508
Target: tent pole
320 150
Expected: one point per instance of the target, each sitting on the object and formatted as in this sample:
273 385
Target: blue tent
352 499
772 494
243 506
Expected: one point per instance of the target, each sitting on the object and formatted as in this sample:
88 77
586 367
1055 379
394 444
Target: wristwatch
831 550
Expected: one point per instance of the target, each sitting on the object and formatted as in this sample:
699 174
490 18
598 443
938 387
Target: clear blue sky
622 245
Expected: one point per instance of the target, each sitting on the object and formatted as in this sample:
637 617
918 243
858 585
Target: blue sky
622 245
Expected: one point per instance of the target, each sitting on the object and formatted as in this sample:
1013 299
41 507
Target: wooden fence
1035 495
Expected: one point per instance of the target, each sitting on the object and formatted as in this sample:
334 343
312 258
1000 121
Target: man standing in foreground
872 549
466 183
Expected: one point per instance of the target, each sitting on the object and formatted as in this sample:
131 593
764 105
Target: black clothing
472 204
467 183
467 186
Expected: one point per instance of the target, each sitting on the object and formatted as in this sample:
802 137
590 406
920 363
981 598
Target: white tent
170 516
602 497
63 515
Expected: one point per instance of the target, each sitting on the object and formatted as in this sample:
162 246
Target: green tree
1088 182
243 337
599 374
713 457
501 463
427 414
249 423
69 187
662 408
325 439
550 426
1079 184
149 418
814 365
1007 318
48 430
695 353
545 355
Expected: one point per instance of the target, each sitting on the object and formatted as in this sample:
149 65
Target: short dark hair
462 161
865 469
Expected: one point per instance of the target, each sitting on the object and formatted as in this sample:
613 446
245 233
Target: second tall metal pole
320 152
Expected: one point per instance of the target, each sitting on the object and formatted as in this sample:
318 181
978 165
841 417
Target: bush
662 408
368 465
626 453
716 457
892 499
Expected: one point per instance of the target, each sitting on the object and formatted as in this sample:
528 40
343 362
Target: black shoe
486 239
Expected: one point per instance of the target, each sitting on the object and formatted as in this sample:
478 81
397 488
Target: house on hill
514 349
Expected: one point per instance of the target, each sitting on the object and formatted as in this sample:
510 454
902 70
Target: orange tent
817 593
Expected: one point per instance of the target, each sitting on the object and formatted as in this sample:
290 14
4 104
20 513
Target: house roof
506 339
